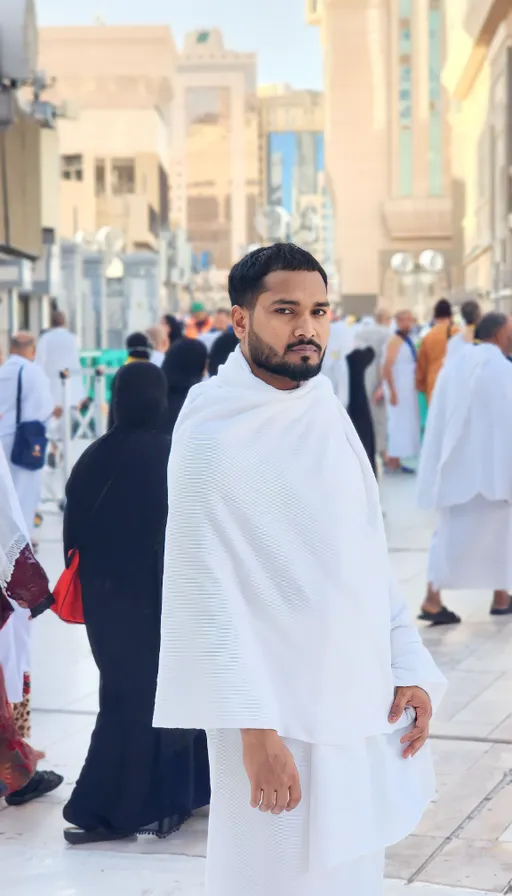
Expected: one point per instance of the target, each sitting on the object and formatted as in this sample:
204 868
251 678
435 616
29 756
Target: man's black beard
266 358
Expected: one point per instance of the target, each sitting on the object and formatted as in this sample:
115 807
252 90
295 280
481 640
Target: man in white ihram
465 473
283 633
37 403
57 350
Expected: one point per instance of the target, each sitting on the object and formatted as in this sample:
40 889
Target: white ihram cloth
465 471
280 612
157 357
404 432
14 636
57 350
37 404
335 366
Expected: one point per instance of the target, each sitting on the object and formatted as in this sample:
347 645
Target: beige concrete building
116 84
387 145
214 167
478 75
294 201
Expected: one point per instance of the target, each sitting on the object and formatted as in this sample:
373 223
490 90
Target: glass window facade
405 100
435 63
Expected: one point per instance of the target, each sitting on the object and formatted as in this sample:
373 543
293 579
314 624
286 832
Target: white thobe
335 366
404 432
465 471
375 336
37 404
280 612
57 350
14 636
157 358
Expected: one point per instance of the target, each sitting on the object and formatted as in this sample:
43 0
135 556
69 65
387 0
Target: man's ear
240 318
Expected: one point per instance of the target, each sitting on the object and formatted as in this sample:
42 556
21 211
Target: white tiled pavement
463 846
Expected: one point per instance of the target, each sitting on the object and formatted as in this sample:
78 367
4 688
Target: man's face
221 321
405 322
285 335
505 338
200 317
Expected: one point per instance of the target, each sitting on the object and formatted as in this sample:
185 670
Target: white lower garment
357 799
472 547
27 484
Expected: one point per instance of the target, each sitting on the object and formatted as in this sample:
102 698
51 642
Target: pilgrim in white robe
335 366
404 431
14 636
57 350
465 473
37 404
280 612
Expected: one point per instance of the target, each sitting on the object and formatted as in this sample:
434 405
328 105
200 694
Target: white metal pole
66 425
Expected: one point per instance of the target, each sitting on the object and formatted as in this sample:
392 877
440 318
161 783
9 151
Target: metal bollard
66 425
100 402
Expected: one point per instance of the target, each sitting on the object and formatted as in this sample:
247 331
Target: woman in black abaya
134 776
358 405
183 367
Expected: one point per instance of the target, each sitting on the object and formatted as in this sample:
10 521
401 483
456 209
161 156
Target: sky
288 49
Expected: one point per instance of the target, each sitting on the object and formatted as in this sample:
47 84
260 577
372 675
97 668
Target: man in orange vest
433 348
199 322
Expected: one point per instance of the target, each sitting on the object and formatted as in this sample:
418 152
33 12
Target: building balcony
427 219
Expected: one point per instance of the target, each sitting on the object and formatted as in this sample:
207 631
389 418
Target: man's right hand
271 769
393 398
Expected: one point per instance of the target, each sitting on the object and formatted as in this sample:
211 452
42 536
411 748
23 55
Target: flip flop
39 785
504 611
444 616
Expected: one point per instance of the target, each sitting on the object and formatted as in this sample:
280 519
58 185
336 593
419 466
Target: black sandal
79 837
502 611
39 785
444 616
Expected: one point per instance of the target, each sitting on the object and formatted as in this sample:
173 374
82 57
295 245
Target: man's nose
306 327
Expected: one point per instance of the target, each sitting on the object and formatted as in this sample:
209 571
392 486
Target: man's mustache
302 342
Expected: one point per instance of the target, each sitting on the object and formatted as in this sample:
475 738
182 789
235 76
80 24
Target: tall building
115 153
387 148
214 168
294 199
478 75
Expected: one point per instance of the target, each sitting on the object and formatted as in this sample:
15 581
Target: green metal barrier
110 359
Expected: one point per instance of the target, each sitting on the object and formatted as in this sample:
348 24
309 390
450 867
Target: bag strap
19 394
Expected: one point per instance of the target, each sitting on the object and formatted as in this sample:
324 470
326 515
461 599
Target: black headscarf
221 350
122 475
139 346
174 327
183 367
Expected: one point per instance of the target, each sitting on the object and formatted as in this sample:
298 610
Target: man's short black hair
246 280
443 310
490 326
470 311
139 346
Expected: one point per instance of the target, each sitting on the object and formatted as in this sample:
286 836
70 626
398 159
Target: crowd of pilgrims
137 778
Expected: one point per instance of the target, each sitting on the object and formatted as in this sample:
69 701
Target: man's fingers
281 801
415 746
255 795
295 796
267 800
399 704
418 731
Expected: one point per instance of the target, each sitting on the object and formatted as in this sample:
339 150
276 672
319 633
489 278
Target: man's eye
320 312
284 310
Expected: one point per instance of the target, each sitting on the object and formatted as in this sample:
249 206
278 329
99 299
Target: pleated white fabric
255 854
277 586
472 547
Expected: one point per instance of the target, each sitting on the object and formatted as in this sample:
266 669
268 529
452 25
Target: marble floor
463 846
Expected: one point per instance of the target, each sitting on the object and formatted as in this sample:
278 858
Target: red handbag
68 593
